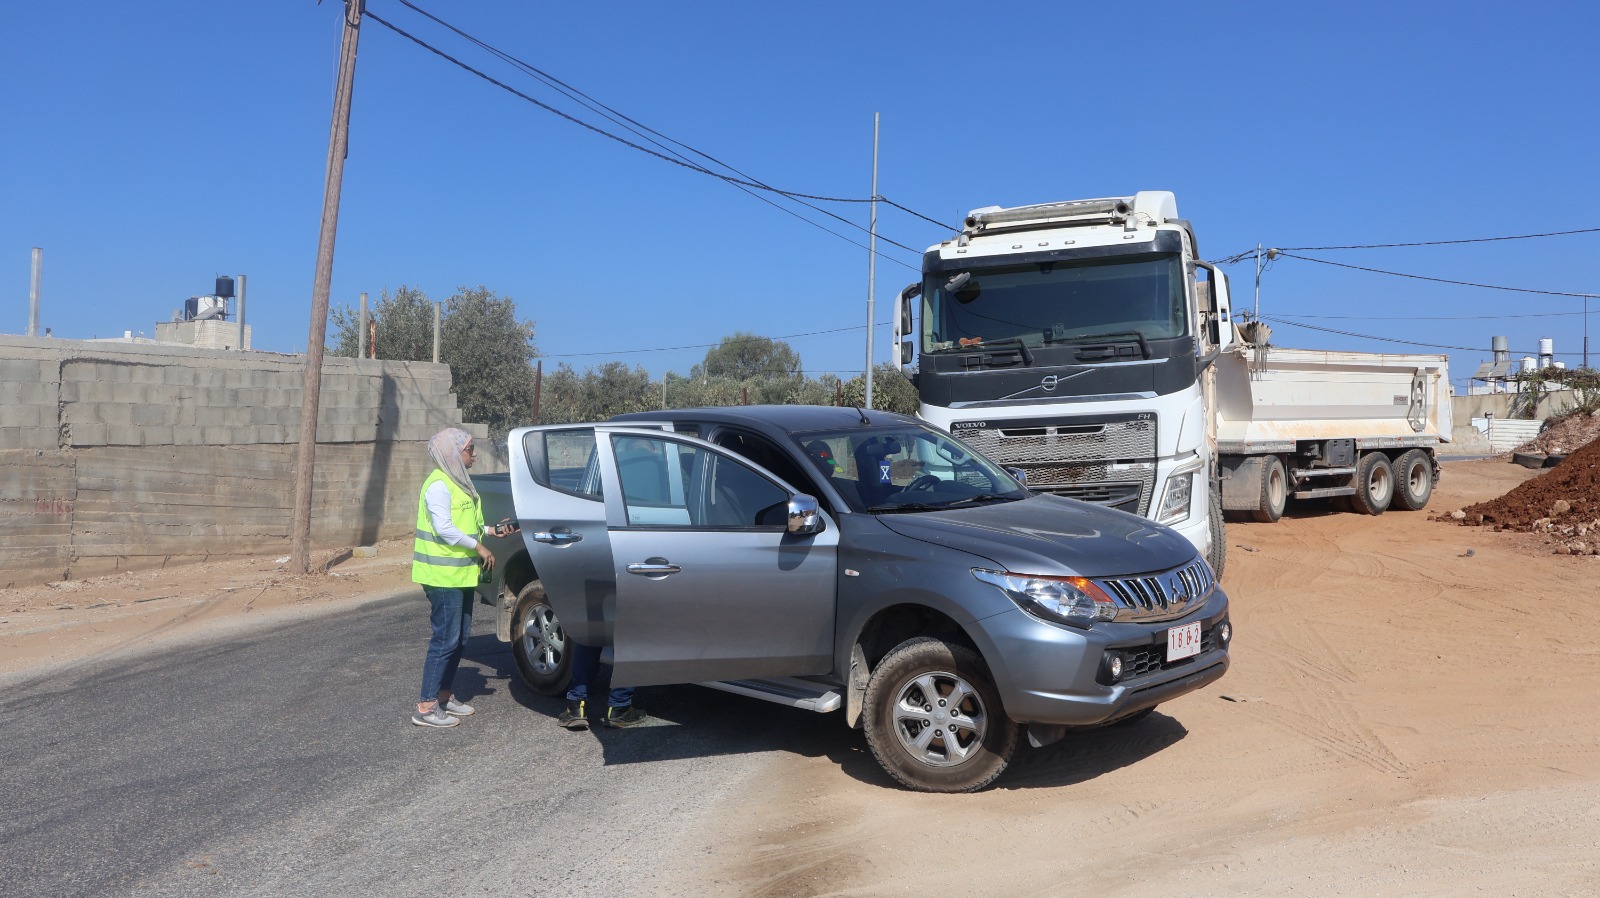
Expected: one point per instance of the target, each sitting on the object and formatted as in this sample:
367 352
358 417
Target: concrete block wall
130 456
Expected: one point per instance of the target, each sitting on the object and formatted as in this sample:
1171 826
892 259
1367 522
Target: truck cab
1076 341
839 559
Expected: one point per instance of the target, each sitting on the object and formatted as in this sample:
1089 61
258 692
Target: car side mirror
1020 475
805 519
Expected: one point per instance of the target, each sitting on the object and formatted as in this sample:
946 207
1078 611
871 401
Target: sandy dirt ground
1411 711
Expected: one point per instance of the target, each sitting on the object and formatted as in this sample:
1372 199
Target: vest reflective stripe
435 562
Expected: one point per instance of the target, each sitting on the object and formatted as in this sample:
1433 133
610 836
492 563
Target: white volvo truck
1087 344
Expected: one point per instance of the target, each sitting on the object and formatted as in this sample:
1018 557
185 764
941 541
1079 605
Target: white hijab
445 448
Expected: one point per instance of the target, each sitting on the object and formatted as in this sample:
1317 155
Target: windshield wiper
1027 357
1144 345
903 506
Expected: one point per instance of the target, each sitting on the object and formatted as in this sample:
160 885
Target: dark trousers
585 664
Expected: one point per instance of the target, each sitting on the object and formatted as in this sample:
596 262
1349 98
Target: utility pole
361 332
436 312
239 343
33 292
872 257
311 391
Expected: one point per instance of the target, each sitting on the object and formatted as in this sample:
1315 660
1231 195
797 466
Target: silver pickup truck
831 558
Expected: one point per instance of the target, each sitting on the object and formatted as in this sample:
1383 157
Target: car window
670 484
570 464
910 468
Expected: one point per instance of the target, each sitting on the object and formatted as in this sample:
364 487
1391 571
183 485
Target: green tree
746 357
489 350
891 390
404 322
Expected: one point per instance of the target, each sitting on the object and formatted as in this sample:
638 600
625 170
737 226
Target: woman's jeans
585 664
452 626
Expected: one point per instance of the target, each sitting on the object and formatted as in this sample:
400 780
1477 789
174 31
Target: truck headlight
1178 497
1068 600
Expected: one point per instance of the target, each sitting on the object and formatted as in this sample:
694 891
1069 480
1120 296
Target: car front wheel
934 718
539 644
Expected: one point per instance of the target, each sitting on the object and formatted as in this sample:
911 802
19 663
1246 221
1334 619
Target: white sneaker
457 709
434 717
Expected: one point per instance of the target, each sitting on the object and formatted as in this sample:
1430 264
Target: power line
635 126
1343 333
1439 317
743 182
739 339
1420 277
1440 242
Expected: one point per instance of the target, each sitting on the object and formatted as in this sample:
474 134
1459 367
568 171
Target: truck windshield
1130 297
906 468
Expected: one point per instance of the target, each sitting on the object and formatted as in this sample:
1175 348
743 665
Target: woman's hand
486 556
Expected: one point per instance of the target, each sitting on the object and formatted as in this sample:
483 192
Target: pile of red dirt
1563 504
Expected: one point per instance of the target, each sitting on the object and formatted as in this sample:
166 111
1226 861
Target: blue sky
152 147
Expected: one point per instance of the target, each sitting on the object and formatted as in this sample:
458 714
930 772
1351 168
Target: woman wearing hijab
445 561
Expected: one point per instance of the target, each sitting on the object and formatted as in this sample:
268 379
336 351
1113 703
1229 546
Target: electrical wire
1343 333
743 182
635 126
1419 277
741 339
1440 242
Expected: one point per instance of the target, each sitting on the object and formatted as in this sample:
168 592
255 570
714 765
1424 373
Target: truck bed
1269 398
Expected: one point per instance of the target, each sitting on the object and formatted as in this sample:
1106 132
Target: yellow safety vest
435 562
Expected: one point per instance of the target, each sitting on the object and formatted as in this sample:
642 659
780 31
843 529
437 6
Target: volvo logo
1049 383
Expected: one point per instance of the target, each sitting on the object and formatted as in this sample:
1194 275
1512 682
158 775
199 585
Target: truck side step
785 691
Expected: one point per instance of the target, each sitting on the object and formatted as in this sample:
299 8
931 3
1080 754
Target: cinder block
178 375
214 435
27 416
20 371
157 435
155 413
145 374
31 393
87 434
124 435
187 435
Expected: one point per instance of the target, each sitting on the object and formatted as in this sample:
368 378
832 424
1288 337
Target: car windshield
1134 297
906 468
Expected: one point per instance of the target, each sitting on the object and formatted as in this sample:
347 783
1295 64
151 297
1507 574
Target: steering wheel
925 482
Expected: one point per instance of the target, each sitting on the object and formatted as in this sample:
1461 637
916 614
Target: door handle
557 537
655 567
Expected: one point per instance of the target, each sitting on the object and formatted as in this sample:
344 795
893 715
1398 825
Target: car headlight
1068 600
1178 497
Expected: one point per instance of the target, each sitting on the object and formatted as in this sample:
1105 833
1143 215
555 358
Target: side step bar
785 691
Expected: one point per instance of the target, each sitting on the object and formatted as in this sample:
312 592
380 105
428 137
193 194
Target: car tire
539 643
1413 480
1374 484
909 695
1274 491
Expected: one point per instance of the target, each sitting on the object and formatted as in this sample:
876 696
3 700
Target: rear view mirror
1020 475
804 517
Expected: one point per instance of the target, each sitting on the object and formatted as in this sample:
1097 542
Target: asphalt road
283 762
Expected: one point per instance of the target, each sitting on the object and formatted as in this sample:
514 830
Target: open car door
676 552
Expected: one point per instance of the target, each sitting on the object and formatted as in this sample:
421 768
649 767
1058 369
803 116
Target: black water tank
225 287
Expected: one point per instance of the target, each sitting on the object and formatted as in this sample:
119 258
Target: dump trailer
1361 428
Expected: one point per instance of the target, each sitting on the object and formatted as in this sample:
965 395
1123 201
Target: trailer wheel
1274 490
539 644
1374 484
933 718
1413 480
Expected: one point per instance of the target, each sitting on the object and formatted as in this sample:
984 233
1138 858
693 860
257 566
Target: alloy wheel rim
544 642
939 718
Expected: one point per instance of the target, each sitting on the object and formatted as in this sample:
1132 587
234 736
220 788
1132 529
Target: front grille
1124 496
1162 596
1148 659
1097 460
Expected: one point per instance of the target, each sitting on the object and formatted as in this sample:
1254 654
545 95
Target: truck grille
1163 596
1108 461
